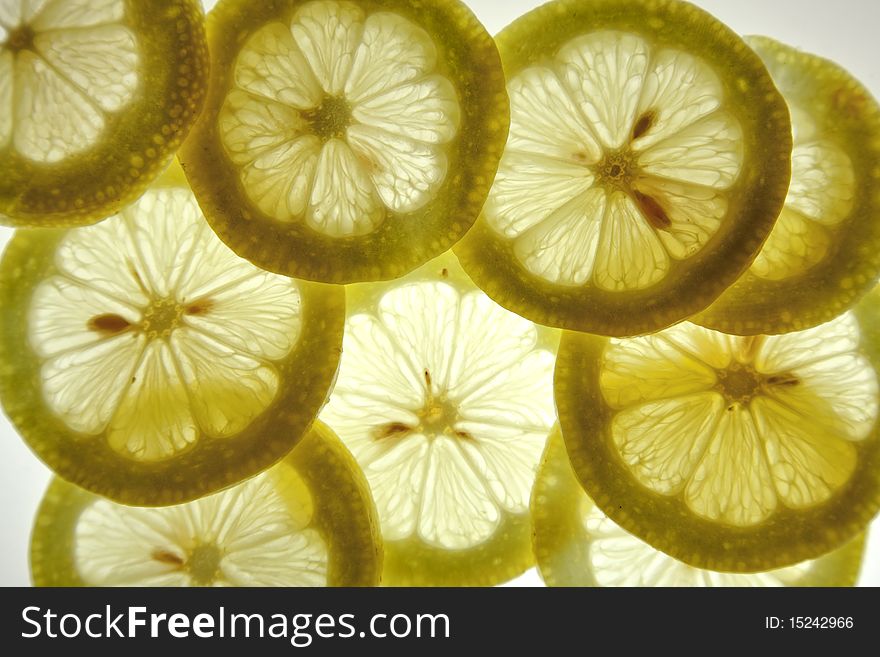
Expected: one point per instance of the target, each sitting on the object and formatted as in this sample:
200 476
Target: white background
842 30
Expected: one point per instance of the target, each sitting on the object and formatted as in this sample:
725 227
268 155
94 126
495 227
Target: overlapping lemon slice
347 141
445 400
578 545
648 157
95 97
729 453
145 361
824 252
308 521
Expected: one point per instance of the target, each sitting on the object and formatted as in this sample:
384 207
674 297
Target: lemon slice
347 141
648 158
824 252
95 98
308 521
729 453
445 399
578 545
146 362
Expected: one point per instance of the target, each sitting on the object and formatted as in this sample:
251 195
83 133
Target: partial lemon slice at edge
824 252
308 521
577 545
94 100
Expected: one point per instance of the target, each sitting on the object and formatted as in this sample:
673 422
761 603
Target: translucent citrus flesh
631 147
822 255
276 529
630 171
578 545
243 536
339 145
346 127
445 400
152 345
764 444
82 81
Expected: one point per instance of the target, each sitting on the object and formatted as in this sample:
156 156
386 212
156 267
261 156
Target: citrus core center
331 118
21 38
438 416
162 317
617 170
738 383
203 563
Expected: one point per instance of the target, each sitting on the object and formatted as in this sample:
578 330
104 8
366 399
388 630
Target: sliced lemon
347 141
729 453
824 252
578 545
146 362
308 521
648 158
95 98
445 399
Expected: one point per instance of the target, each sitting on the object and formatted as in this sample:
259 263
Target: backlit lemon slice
578 545
729 453
308 521
648 157
146 362
95 97
824 252
347 141
445 399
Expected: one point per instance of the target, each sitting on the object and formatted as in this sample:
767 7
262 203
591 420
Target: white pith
57 96
263 537
446 485
154 390
820 196
789 443
392 156
568 224
618 558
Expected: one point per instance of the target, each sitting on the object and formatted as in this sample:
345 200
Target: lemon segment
629 195
351 141
729 453
445 400
150 352
95 97
820 257
280 528
576 544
